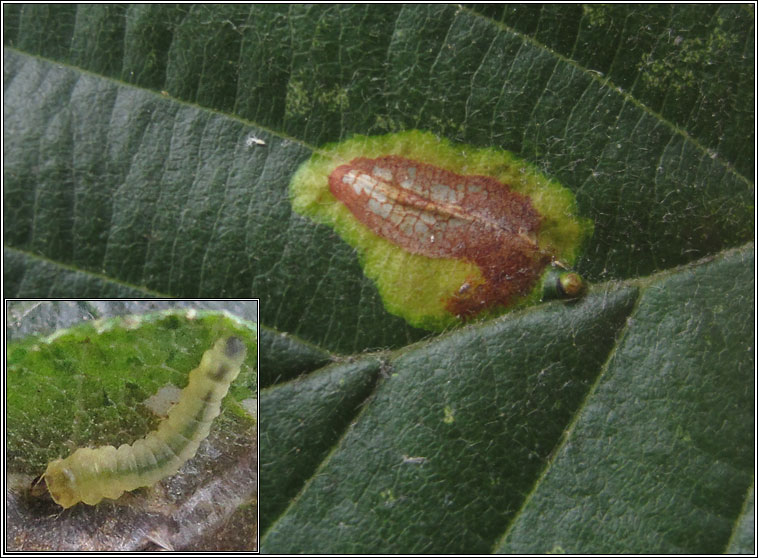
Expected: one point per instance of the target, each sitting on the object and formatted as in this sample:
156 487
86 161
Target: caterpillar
89 475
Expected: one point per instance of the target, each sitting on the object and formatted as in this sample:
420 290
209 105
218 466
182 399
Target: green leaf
305 420
690 64
667 433
128 172
87 385
472 413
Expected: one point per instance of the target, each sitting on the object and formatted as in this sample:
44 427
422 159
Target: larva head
61 484
222 363
234 348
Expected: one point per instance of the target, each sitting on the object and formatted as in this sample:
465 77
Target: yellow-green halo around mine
414 286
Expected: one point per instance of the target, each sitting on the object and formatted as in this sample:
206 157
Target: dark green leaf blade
667 436
689 63
468 415
306 418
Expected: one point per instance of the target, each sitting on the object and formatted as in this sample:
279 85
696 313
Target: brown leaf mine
437 213
447 232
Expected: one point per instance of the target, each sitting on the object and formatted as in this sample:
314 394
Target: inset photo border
131 425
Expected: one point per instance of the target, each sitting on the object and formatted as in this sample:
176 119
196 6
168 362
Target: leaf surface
128 172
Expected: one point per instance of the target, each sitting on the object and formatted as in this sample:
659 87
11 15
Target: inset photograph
131 425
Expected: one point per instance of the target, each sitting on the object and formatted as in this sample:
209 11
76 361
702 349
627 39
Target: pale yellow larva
89 475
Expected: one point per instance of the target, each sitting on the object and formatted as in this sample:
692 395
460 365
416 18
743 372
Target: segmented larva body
89 475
